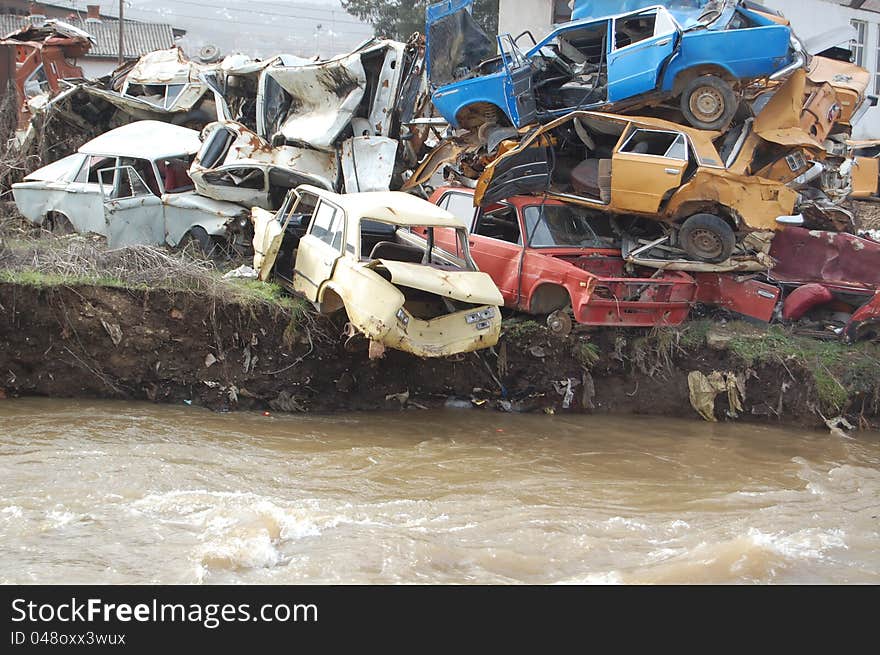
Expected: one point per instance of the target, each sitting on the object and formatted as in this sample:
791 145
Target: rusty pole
121 59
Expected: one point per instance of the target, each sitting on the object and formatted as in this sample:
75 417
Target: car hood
467 286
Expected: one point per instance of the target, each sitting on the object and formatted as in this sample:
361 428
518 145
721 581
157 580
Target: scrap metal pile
633 164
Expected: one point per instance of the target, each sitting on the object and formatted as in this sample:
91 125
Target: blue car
615 63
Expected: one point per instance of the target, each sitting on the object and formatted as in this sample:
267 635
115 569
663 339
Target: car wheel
707 238
59 224
708 103
198 242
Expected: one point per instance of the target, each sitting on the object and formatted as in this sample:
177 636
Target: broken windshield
559 226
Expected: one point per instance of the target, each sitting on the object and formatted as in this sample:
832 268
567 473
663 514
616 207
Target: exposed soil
176 347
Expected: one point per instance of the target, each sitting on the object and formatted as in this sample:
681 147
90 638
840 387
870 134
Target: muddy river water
118 492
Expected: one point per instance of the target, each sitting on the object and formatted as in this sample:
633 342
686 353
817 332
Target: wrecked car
362 254
131 186
645 167
355 105
236 165
617 63
831 282
166 85
551 258
42 59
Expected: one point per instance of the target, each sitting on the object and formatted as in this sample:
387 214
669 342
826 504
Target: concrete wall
515 16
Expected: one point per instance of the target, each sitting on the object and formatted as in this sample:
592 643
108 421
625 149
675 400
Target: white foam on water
60 518
804 544
11 512
235 530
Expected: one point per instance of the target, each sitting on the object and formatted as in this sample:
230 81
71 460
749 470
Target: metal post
121 32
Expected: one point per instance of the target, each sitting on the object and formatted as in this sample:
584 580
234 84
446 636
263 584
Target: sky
259 28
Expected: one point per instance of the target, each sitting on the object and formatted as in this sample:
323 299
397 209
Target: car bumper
461 332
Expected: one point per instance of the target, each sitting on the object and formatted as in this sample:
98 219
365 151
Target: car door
638 46
319 249
521 105
134 215
522 171
85 201
646 167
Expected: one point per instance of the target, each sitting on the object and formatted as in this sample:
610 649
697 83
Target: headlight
402 317
480 316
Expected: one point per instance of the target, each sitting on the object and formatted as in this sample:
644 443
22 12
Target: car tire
708 103
199 242
58 224
707 238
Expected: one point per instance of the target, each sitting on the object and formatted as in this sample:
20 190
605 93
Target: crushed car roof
389 207
146 139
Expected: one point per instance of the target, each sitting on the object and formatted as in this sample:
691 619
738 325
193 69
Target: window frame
679 136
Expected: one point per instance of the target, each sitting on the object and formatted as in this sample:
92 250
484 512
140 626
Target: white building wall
516 16
808 17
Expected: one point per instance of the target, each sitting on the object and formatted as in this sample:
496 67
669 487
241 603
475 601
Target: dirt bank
178 347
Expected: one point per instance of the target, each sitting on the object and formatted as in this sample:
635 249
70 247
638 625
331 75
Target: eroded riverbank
89 341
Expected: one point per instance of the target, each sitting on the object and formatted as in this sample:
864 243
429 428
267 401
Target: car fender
449 100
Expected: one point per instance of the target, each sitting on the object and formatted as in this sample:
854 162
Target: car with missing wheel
377 256
617 63
131 186
649 168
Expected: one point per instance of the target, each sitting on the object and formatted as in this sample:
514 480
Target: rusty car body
361 253
236 165
45 55
131 186
623 165
552 258
845 266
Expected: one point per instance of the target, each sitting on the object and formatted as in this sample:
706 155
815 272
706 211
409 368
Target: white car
131 185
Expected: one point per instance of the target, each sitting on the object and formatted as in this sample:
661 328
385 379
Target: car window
144 169
172 93
551 226
327 225
122 182
501 224
36 83
89 172
634 28
241 177
460 205
657 143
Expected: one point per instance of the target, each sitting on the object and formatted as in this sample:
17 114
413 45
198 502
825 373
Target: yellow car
373 255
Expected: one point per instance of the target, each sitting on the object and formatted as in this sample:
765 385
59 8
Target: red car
830 277
567 260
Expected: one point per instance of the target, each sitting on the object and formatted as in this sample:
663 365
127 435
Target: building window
877 69
561 11
858 47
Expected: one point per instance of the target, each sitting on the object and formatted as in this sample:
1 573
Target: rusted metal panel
831 258
7 68
743 295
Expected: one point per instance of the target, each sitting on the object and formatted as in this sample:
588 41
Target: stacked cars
638 161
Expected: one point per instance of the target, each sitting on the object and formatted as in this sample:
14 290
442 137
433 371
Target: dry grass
39 258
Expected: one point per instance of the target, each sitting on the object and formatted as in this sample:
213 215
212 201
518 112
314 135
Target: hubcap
706 244
707 103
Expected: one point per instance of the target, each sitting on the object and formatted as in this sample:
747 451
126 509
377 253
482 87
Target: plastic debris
243 272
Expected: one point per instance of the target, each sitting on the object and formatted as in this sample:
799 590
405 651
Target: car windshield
555 226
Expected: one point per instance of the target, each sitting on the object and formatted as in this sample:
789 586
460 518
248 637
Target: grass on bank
840 371
45 260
